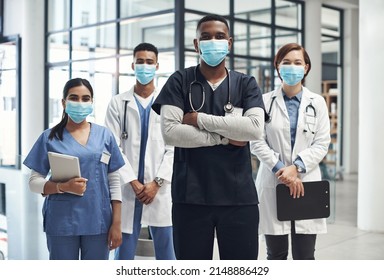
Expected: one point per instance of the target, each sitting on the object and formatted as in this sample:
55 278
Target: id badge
237 112
105 157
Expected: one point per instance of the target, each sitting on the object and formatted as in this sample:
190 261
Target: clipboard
314 204
64 167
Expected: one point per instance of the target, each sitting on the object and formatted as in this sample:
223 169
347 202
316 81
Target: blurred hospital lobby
43 43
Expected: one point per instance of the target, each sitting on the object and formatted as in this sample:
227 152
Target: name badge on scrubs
237 112
105 157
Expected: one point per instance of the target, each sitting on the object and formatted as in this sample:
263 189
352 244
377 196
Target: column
350 98
313 43
32 121
371 114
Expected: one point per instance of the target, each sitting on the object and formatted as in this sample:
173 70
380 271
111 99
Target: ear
196 44
133 66
230 43
157 66
306 69
63 103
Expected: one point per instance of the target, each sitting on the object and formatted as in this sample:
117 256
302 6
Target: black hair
57 130
212 17
145 47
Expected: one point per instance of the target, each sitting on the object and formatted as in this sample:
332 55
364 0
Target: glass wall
95 39
9 101
331 48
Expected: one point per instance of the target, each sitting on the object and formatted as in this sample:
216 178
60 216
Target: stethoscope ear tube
124 134
228 108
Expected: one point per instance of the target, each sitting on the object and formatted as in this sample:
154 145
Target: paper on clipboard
64 167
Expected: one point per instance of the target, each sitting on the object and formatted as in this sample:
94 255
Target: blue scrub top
68 214
218 175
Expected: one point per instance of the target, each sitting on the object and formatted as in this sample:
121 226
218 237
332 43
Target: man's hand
190 119
149 192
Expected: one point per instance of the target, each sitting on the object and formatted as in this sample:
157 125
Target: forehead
294 55
145 55
79 91
212 26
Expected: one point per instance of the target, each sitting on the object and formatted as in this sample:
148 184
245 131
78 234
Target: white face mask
145 73
291 74
213 52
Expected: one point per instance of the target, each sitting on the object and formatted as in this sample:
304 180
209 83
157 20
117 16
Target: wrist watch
299 168
224 140
159 181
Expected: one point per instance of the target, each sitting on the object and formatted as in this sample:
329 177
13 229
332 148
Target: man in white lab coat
146 176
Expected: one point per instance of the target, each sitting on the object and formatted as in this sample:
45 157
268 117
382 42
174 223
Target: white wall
371 99
25 231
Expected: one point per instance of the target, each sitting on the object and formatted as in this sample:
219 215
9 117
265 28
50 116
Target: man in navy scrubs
210 114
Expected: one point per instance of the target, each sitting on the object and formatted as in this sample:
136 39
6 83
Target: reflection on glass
57 79
330 22
92 11
259 11
8 104
58 11
158 30
101 74
256 68
252 40
138 7
58 47
330 50
210 7
286 36
288 14
190 29
94 42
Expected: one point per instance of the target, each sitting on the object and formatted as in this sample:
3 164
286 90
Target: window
9 101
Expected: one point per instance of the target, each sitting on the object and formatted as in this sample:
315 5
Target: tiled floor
344 241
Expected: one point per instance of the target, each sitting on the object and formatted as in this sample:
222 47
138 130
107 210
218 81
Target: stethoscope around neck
308 115
228 108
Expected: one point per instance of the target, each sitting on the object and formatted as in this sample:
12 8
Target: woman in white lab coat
294 142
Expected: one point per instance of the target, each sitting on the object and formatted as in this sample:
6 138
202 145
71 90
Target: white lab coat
276 145
158 161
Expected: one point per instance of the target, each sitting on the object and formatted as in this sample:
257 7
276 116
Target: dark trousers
236 228
303 246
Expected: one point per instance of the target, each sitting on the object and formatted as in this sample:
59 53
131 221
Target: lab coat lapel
280 102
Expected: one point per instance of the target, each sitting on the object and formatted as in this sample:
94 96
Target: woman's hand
75 185
296 189
287 175
115 236
149 192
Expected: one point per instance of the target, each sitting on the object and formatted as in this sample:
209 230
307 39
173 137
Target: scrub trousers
162 239
303 246
236 228
88 247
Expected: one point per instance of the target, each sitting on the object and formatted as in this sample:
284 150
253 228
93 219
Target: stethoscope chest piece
228 108
124 135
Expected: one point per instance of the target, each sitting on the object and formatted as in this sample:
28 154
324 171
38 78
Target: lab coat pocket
155 129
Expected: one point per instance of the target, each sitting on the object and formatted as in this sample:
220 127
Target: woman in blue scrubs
86 225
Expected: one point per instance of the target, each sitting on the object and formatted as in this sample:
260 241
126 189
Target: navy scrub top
68 214
219 175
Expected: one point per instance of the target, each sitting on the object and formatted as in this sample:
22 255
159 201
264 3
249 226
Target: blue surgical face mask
78 111
213 52
145 73
291 74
